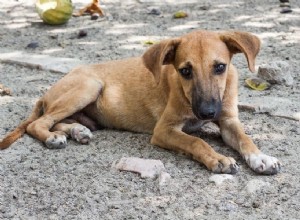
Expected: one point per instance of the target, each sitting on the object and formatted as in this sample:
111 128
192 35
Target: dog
176 84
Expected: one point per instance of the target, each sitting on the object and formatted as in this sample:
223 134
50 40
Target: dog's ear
159 54
242 42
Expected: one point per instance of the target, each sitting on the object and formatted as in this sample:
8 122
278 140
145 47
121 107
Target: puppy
175 83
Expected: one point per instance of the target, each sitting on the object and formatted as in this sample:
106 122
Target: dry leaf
257 84
180 14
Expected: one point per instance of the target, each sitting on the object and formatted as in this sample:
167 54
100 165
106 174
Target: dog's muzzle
207 110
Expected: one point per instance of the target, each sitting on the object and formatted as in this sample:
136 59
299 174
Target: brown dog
176 82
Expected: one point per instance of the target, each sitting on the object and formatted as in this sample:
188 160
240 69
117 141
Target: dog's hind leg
78 127
76 131
60 104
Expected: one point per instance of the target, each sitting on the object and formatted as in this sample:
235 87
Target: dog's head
202 60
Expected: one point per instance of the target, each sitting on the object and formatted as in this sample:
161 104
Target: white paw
56 141
263 164
81 134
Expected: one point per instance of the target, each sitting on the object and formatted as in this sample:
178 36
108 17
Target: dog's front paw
263 164
56 141
81 134
226 165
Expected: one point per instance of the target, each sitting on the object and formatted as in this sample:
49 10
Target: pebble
94 16
154 11
44 62
54 36
204 7
164 178
218 179
147 168
32 45
82 34
277 72
286 10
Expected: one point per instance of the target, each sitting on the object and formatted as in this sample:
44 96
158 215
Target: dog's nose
207 109
208 113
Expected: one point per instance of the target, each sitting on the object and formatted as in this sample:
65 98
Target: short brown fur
149 94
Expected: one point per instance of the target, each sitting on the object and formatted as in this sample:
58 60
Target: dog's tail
21 129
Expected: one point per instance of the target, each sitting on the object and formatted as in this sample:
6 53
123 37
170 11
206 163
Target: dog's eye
219 68
186 72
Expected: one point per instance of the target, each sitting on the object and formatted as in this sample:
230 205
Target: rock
145 167
44 62
274 106
203 7
94 16
164 178
227 206
265 104
54 36
255 185
218 179
286 10
277 72
32 45
154 11
4 91
81 34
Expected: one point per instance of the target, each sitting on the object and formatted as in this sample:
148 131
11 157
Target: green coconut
54 12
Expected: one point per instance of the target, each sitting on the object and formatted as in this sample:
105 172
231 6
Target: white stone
277 72
218 179
164 178
44 62
146 167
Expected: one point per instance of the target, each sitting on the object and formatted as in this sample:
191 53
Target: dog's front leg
173 138
233 134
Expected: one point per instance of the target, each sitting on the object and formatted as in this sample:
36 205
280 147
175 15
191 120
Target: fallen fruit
54 12
257 84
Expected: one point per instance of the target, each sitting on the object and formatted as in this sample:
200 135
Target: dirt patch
78 182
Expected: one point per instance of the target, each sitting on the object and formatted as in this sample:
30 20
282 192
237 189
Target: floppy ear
242 42
160 54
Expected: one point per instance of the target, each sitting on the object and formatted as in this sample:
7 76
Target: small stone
286 10
54 36
227 206
32 45
277 72
204 7
44 62
256 204
145 167
154 11
94 16
4 91
82 34
218 179
164 178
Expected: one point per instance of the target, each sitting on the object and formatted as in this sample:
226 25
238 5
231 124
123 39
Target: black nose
207 109
208 113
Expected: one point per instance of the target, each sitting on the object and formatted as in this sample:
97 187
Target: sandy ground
79 182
